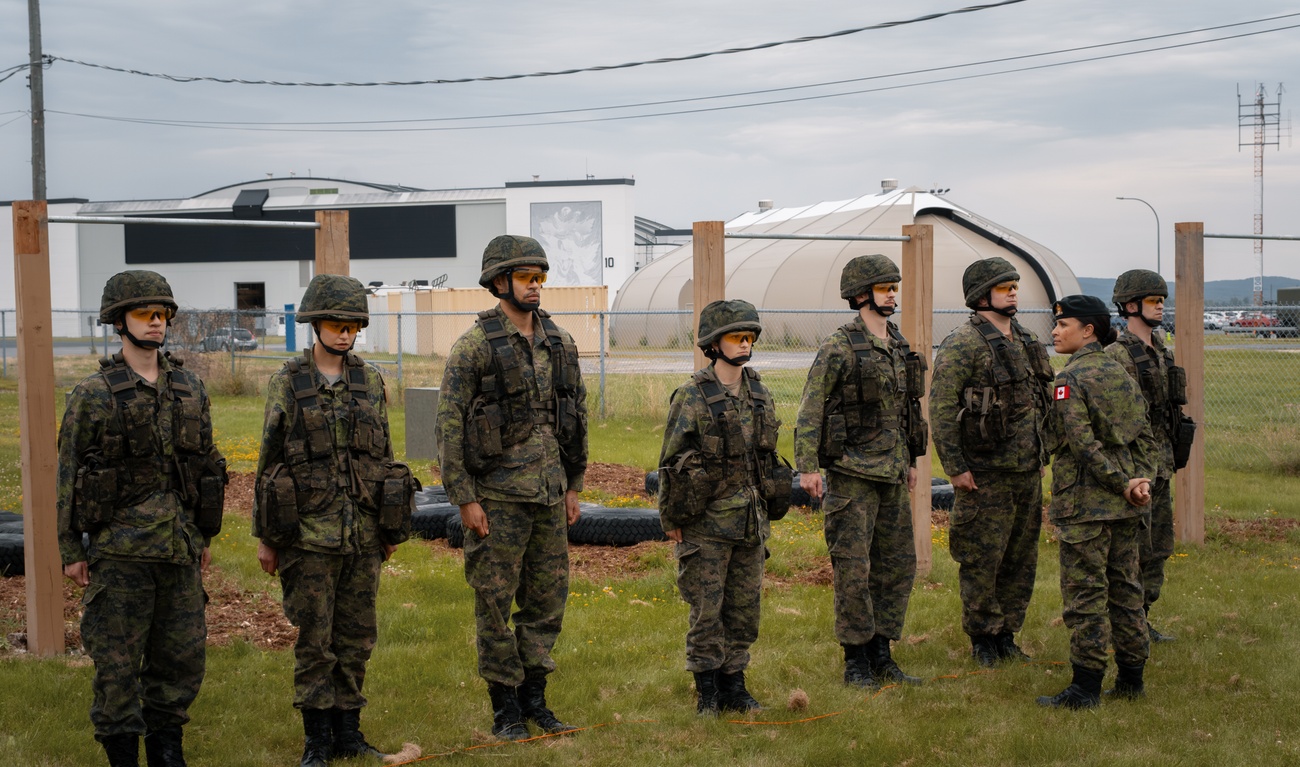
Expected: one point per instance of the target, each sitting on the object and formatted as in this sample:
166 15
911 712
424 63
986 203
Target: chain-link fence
632 361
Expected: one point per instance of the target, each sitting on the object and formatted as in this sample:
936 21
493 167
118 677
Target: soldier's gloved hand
79 572
473 518
268 558
571 508
965 481
811 483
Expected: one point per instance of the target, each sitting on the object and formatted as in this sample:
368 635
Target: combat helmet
722 317
980 277
508 252
864 271
135 287
1137 284
334 297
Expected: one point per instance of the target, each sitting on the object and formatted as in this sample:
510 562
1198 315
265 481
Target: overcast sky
1042 152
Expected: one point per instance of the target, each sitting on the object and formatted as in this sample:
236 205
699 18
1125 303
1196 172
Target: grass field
1223 694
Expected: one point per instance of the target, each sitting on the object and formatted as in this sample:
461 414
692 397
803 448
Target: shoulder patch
1061 392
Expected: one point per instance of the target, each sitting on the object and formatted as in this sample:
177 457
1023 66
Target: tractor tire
11 554
616 527
429 521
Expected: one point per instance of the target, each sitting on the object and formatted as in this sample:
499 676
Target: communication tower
1260 118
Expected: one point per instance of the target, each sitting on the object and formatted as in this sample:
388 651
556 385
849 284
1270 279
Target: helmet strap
142 344
883 311
715 354
511 297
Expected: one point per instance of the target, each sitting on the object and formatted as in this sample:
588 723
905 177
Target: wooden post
36 424
917 327
710 275
332 249
1189 351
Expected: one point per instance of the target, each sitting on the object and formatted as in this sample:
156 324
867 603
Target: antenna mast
1263 117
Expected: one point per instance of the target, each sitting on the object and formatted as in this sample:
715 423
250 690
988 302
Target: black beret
1080 306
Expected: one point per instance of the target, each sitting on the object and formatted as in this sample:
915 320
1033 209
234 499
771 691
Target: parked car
225 339
1255 320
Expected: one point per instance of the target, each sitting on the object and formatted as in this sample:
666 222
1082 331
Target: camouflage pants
994 537
869 534
1101 590
331 599
1156 549
722 582
143 625
524 560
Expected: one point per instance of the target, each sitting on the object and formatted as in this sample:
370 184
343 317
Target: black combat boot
532 704
348 739
1008 649
316 730
162 748
1128 682
883 667
706 687
1156 636
507 719
857 668
732 695
984 649
1084 691
122 750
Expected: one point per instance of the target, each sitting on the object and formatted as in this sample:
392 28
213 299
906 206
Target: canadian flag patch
1062 392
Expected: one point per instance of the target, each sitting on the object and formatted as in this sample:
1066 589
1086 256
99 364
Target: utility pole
1264 117
36 81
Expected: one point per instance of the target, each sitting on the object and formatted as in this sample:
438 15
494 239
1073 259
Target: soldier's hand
911 479
811 482
473 518
674 535
268 558
389 550
79 572
1138 491
205 559
571 508
965 481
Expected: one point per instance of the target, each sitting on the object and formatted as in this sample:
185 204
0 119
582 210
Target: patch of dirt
616 479
1237 530
239 493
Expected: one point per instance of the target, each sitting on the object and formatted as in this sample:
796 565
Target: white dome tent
805 274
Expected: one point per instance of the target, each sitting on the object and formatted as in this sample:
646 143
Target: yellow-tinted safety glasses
339 328
529 277
151 312
885 287
1006 287
741 337
1154 300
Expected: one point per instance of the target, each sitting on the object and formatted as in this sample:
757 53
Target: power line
739 94
600 68
245 127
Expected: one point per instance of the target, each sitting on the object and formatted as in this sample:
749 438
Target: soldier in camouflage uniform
139 473
1100 482
331 506
718 455
1140 297
988 410
860 419
512 420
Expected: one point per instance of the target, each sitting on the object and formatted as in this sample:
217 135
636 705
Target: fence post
38 452
710 274
399 346
234 316
601 317
918 306
4 345
1189 351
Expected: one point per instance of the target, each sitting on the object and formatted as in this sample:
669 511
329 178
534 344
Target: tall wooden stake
710 275
917 327
36 424
333 254
1189 351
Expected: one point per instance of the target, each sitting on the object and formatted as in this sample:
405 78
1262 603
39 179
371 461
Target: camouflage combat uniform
998 432
329 573
1105 441
143 613
1155 548
524 560
868 523
721 555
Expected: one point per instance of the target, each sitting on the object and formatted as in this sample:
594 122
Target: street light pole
1157 215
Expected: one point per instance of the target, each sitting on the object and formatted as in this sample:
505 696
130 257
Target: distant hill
1217 292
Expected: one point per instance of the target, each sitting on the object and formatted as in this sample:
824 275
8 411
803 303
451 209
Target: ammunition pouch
915 367
918 430
396 503
94 497
982 418
483 425
778 486
211 501
835 434
1177 385
684 490
570 430
1183 438
277 507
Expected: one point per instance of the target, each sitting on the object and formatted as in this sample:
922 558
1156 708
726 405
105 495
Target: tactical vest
988 411
855 416
728 458
1164 403
134 461
505 413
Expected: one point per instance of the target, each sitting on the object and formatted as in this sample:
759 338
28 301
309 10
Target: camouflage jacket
334 517
150 522
533 470
1105 439
885 456
964 371
737 515
1155 389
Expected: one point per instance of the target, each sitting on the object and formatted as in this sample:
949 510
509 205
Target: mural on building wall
571 234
